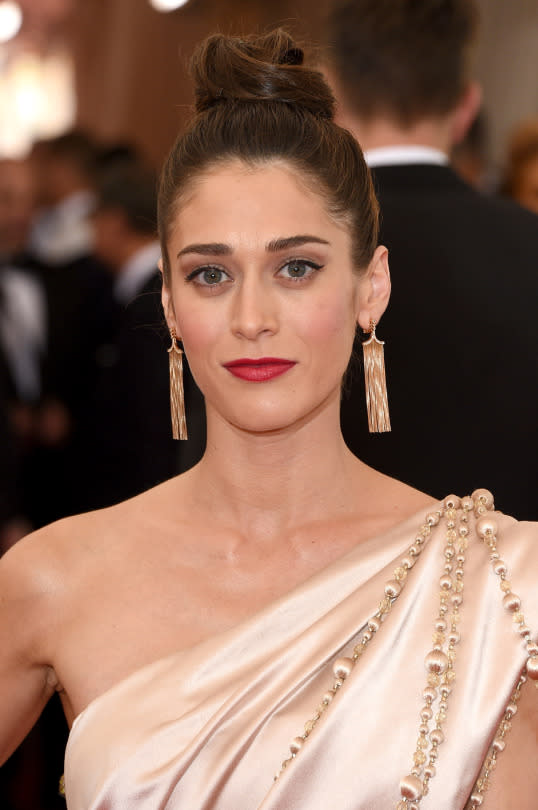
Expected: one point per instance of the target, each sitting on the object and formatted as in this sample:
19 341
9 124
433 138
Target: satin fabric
210 726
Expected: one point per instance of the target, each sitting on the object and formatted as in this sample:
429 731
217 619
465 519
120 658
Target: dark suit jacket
461 334
126 444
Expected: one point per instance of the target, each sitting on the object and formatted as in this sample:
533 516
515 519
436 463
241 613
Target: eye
299 269
208 276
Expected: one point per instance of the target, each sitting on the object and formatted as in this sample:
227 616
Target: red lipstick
259 369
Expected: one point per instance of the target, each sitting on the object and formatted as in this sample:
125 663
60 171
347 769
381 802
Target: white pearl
342 667
432 519
532 648
498 744
429 771
510 710
483 496
452 502
393 588
436 661
296 745
511 602
532 667
437 736
445 583
429 693
411 787
408 561
500 567
477 799
486 527
374 624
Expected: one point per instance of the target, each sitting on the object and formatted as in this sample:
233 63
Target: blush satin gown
207 728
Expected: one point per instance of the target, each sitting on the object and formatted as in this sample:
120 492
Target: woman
193 630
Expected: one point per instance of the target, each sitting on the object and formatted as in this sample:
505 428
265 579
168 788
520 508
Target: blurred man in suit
461 330
128 444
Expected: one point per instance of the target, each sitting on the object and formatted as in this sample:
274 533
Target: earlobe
376 291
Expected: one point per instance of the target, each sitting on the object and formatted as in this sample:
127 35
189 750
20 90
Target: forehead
269 199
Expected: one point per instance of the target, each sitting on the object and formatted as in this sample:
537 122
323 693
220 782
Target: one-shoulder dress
384 681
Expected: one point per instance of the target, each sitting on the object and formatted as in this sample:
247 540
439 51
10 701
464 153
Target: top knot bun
258 68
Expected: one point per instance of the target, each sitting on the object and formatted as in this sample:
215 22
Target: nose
254 310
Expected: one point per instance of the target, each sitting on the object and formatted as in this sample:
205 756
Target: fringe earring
376 383
177 395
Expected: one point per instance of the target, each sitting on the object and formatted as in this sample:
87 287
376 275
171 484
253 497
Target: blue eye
208 276
298 269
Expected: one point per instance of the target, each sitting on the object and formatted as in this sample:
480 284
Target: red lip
259 369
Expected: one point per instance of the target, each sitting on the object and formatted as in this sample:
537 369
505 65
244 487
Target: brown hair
257 102
403 59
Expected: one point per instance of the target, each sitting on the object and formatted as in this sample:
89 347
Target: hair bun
258 68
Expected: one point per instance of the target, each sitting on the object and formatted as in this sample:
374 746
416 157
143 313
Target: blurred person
17 207
520 181
23 308
125 437
65 169
271 610
402 74
79 310
23 332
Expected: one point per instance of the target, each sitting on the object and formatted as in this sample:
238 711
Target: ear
374 290
465 112
167 301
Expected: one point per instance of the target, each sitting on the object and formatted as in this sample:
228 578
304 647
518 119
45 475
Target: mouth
259 369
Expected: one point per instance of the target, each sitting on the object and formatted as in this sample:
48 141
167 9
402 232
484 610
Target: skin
277 496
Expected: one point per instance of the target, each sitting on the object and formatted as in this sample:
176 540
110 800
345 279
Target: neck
435 133
264 485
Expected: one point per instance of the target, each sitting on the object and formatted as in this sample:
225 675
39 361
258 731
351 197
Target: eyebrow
275 246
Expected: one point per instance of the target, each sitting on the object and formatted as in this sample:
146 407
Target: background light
167 5
10 20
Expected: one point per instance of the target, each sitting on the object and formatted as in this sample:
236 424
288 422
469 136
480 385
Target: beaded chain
440 660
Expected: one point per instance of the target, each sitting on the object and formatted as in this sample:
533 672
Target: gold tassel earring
177 395
376 383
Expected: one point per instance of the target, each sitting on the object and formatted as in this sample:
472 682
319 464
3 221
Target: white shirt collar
402 154
134 273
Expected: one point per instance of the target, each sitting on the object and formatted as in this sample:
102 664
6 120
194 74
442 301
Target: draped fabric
209 727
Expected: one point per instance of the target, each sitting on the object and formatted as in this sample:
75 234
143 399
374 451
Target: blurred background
118 67
92 95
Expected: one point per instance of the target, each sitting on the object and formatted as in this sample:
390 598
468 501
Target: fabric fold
208 727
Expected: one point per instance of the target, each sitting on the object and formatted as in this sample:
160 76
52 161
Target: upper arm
26 677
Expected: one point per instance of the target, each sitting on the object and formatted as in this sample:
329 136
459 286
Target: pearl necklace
440 660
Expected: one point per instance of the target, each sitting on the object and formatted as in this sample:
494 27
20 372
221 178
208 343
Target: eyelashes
295 271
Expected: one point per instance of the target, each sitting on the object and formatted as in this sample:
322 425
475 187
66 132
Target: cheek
332 324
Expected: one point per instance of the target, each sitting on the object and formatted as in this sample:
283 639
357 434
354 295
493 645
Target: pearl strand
441 672
486 528
342 667
439 662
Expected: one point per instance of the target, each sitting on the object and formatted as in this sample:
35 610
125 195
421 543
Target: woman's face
264 296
